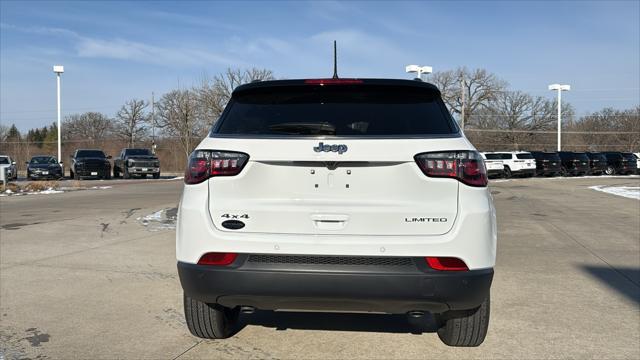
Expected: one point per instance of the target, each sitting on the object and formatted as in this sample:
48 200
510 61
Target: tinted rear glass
360 110
137 152
4 160
546 156
524 156
498 156
90 153
581 156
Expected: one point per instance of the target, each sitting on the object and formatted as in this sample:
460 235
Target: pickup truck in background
136 162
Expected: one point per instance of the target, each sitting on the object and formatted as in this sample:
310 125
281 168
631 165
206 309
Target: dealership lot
91 274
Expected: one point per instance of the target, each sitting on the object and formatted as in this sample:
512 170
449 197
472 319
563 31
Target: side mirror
108 156
26 162
13 163
61 162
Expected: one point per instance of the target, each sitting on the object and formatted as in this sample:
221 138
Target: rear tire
209 321
469 329
507 172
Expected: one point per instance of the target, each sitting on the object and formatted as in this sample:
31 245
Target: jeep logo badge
330 148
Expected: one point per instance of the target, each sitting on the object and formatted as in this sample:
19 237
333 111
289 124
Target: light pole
559 88
419 70
59 69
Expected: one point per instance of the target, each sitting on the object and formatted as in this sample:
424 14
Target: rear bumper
300 289
143 170
548 170
495 172
525 172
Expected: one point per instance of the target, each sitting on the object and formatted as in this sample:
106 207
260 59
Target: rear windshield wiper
304 128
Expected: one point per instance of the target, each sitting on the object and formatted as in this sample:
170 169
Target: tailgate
374 188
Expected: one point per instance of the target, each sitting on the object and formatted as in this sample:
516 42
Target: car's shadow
339 322
624 280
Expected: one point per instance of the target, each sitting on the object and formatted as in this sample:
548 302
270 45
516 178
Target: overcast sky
114 51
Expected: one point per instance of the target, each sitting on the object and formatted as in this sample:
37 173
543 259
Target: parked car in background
597 163
574 163
514 163
494 168
90 163
637 155
617 163
43 167
547 163
8 167
138 162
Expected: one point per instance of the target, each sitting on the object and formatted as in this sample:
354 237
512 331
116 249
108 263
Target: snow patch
631 192
164 219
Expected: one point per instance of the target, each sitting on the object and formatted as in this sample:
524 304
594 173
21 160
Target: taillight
204 164
446 264
217 259
465 166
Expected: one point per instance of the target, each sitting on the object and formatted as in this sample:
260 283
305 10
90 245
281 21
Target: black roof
348 82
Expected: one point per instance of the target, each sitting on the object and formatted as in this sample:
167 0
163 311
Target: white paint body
366 210
511 160
9 168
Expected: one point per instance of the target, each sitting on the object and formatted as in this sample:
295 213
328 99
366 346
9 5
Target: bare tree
214 93
609 129
480 87
179 118
131 121
4 132
91 127
515 119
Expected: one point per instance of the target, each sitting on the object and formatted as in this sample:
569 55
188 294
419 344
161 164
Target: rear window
134 152
4 160
524 156
581 156
498 156
360 110
547 156
90 153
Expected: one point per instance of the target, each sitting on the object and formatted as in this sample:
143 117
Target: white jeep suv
514 163
353 195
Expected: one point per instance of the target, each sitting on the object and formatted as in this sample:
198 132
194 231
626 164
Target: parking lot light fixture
59 69
419 70
559 88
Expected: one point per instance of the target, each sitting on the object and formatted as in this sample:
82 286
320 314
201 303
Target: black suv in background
597 163
547 163
44 167
617 163
90 163
139 162
574 164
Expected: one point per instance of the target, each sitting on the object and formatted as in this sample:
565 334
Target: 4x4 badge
330 148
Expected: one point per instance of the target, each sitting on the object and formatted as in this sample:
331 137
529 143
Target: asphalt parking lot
91 274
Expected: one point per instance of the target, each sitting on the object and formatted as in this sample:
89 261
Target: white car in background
495 168
8 165
637 162
513 162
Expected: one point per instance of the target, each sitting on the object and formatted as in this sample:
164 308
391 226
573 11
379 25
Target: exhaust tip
247 309
416 313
